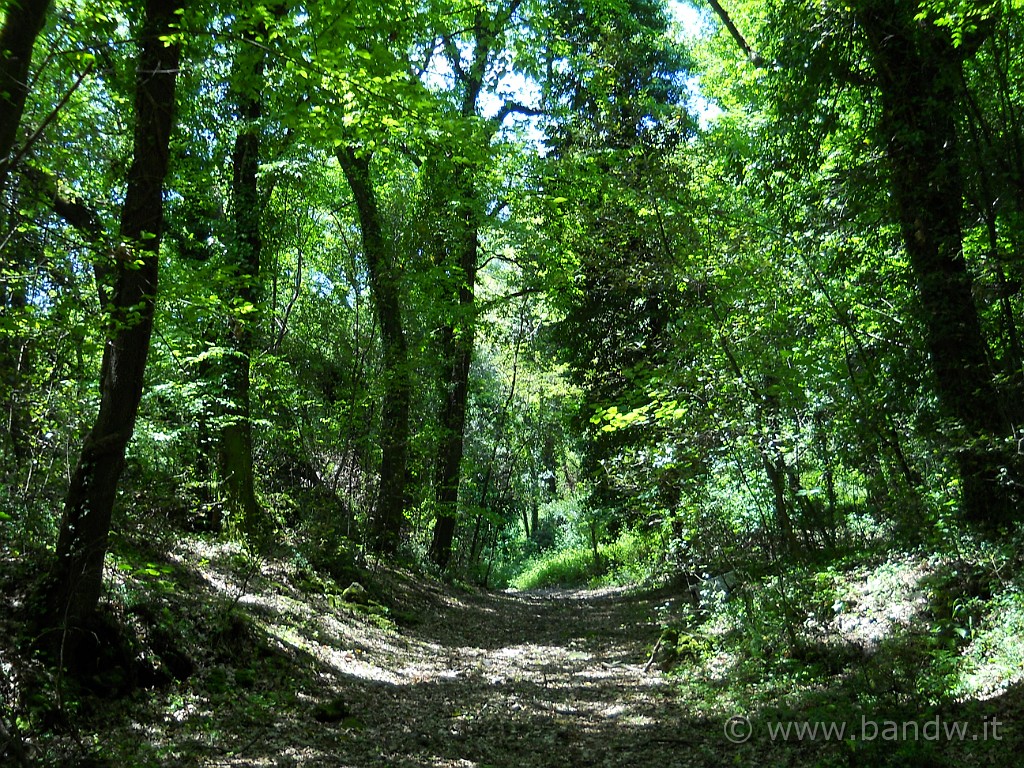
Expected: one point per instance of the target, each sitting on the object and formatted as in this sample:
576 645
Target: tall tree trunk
918 74
389 517
457 343
246 248
22 26
77 572
462 252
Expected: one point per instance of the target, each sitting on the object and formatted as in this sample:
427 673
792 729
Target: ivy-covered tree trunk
22 25
918 74
77 571
236 450
389 516
448 473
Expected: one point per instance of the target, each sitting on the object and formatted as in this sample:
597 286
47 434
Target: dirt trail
449 678
551 678
282 671
287 673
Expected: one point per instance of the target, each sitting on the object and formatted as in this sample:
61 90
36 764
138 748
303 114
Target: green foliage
993 658
631 558
563 568
699 343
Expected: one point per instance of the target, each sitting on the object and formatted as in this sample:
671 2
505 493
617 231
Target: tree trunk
236 435
77 573
389 517
22 26
460 253
458 336
773 464
457 356
918 74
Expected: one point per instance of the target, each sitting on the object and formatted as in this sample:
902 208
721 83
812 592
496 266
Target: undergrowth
629 559
916 639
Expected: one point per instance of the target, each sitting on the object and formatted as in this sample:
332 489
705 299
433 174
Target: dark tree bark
457 344
460 251
918 76
389 515
22 26
236 449
77 572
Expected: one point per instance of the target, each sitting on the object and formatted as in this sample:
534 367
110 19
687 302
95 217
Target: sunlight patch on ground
451 601
607 672
552 670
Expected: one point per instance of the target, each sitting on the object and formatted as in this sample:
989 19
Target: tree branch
455 59
497 301
6 166
76 213
515 108
73 211
754 56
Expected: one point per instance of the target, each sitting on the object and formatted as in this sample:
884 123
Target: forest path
288 673
553 678
477 680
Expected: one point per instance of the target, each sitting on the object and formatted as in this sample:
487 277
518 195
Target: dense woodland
512 293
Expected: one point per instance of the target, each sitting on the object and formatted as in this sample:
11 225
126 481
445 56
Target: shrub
565 568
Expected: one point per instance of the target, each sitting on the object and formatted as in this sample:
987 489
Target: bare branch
37 134
497 301
515 108
754 56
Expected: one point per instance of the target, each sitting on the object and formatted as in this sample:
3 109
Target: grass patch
629 559
565 568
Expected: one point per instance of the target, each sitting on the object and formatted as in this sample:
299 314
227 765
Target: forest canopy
467 281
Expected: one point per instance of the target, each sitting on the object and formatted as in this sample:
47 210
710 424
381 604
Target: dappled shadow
459 678
491 620
532 679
